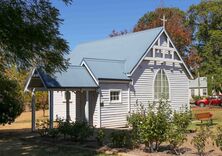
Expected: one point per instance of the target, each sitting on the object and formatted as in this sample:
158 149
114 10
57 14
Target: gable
106 69
164 51
34 80
74 77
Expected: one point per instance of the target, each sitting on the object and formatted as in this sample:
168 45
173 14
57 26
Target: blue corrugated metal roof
74 77
107 69
130 47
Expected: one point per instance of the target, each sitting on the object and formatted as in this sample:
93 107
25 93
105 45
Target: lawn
16 139
217 117
23 121
20 143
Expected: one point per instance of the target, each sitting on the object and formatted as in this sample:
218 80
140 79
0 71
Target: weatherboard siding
77 113
179 85
142 90
114 114
60 105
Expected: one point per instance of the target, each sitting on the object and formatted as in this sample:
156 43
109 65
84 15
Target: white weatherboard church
108 76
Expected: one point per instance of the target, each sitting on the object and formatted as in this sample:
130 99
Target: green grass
217 118
11 145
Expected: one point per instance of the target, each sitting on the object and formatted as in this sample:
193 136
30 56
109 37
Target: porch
76 80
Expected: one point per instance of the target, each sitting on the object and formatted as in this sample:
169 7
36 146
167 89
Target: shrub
177 134
199 141
121 138
44 130
153 126
182 118
78 131
176 139
53 133
42 127
64 127
134 120
100 136
84 130
218 138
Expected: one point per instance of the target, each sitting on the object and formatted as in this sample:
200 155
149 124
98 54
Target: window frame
192 92
169 87
204 90
120 96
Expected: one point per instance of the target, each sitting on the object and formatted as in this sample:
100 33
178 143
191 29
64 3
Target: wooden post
154 52
129 102
51 102
198 76
99 108
68 97
33 110
87 107
74 105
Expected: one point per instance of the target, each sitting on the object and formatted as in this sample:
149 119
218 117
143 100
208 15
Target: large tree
206 21
176 26
29 36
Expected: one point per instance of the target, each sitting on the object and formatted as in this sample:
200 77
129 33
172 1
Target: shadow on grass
23 142
206 124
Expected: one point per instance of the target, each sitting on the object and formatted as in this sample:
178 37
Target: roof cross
164 20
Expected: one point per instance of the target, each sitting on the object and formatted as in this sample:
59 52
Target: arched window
161 85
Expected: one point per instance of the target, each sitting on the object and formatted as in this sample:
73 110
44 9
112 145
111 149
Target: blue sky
87 20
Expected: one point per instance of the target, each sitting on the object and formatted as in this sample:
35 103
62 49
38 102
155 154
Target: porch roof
74 77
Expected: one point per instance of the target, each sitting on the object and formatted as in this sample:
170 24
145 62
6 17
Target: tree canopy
176 26
197 34
29 37
11 104
118 33
206 22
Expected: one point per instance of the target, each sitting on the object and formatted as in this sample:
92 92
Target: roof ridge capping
104 60
75 66
122 36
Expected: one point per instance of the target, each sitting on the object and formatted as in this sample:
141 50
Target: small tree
199 141
177 134
134 120
218 137
152 127
42 101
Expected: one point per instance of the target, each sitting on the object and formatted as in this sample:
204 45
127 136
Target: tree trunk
43 111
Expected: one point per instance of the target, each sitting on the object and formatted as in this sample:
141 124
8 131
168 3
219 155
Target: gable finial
164 20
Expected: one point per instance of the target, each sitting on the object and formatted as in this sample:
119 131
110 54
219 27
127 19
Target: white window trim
192 92
120 98
154 99
204 89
